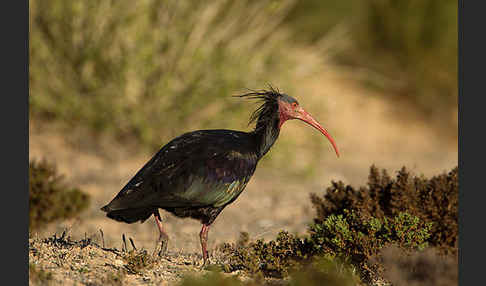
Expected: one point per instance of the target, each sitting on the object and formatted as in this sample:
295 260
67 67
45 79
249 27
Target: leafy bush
356 239
275 258
347 239
433 200
129 67
49 198
352 227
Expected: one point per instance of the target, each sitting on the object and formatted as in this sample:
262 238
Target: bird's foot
206 262
161 246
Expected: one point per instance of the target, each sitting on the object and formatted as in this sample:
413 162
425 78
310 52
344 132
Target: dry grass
63 261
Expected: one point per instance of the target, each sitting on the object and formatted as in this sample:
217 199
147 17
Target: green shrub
356 239
49 198
348 239
432 200
146 70
352 227
275 258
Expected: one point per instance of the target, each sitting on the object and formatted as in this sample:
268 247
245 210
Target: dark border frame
15 130
471 192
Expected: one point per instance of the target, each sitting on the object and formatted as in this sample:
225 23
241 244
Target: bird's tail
129 215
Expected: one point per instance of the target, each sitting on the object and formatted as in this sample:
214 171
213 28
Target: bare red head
289 108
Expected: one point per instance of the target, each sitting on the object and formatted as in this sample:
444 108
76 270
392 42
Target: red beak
306 117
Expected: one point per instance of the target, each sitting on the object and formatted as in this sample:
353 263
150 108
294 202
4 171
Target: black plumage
199 173
194 175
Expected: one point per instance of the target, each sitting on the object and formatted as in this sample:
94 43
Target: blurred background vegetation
50 199
146 71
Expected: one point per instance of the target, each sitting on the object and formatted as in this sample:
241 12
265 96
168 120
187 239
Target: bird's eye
294 104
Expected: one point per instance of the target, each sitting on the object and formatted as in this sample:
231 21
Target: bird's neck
266 133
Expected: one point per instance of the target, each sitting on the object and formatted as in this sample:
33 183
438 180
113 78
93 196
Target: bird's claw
206 261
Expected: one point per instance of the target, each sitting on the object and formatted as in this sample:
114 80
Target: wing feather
202 168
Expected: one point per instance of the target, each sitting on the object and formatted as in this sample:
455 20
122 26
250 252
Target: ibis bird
199 173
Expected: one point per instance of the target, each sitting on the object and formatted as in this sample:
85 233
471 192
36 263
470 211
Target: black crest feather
269 106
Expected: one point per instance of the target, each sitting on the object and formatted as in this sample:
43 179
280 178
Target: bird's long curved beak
307 118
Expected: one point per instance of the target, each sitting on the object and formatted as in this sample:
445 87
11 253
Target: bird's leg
163 237
203 236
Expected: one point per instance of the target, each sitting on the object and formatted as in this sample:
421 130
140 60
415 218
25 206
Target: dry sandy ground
367 130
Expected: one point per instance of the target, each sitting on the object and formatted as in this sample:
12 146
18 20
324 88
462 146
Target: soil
58 260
